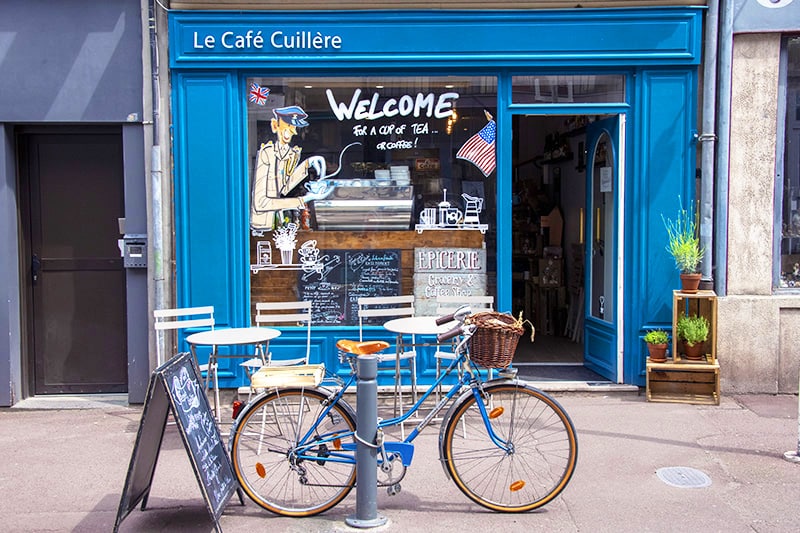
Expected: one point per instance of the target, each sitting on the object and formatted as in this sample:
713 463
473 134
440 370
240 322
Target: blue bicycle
508 446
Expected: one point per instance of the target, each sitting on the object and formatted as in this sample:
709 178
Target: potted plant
693 331
657 340
684 246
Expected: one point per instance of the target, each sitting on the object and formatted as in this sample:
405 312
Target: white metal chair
294 313
177 319
448 304
386 308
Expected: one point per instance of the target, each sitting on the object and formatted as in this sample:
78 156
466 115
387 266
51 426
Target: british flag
258 94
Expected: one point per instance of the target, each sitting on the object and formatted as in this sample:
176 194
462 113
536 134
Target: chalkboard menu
174 386
348 275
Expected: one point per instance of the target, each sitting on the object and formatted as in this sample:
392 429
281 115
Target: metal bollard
366 449
793 456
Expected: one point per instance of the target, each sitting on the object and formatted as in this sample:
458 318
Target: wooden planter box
680 380
683 382
703 303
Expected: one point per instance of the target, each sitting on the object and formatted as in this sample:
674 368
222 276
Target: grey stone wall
758 328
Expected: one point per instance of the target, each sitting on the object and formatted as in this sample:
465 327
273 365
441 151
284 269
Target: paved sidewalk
64 470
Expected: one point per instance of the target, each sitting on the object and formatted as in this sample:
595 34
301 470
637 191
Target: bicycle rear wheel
543 448
263 452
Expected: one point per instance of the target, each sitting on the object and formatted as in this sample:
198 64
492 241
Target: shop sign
360 38
765 16
256 39
426 164
447 272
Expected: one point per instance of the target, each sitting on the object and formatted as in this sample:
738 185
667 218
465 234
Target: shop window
578 89
349 171
789 186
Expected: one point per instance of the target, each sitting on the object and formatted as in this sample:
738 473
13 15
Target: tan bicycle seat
361 347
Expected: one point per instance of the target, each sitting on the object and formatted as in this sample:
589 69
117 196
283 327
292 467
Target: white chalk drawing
308 255
200 426
448 217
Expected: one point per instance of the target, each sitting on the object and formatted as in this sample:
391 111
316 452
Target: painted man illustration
279 170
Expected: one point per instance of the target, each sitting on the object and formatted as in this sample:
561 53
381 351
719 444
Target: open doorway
549 232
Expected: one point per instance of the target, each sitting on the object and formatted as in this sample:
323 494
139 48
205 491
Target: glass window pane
368 170
568 89
601 246
790 207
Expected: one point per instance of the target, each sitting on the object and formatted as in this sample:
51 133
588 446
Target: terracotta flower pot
694 353
690 282
658 353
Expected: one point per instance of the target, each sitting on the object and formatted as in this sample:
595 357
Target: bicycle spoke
540 456
283 474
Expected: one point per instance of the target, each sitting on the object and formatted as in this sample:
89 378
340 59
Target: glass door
602 246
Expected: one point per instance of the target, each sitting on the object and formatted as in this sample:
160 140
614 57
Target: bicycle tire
261 447
541 463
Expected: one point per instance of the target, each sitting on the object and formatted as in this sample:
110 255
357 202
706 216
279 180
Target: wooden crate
683 382
702 303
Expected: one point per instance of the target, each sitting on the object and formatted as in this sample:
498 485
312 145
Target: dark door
73 185
601 349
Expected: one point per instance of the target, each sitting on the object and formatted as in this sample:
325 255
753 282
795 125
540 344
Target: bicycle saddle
361 347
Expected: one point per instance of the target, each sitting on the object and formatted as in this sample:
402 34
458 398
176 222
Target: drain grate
683 477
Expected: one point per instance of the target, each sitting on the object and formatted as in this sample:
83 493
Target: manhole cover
683 477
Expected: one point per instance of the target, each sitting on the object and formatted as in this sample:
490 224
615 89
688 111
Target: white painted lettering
423 102
227 40
207 42
406 105
390 107
444 106
417 105
305 40
341 110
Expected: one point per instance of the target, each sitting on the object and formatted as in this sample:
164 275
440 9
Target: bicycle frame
302 449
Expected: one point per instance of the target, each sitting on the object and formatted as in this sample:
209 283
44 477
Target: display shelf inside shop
681 381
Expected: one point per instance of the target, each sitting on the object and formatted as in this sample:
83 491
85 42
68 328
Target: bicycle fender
461 399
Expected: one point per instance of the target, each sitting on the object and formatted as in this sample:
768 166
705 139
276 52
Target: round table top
419 325
232 336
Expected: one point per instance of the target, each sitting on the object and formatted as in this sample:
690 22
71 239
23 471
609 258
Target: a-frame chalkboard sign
176 386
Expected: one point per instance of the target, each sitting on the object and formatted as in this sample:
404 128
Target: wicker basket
495 340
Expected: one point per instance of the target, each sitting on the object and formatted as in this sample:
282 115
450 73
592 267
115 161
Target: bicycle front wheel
264 452
538 454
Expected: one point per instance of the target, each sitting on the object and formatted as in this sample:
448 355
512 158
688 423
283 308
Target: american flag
480 149
258 94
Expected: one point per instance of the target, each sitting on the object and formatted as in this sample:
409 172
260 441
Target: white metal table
417 325
257 337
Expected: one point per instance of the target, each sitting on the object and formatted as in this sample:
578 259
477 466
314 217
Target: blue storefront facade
592 111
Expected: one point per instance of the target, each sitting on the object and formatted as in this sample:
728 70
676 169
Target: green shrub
692 329
684 241
656 336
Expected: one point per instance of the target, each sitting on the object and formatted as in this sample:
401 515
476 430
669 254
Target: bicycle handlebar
447 335
459 315
446 318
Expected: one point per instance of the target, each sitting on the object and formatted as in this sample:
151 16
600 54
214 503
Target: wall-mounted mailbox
134 253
